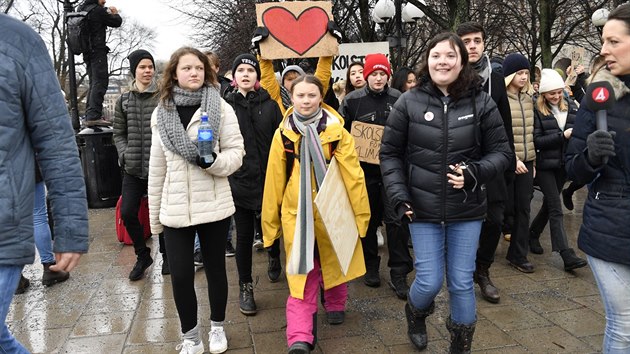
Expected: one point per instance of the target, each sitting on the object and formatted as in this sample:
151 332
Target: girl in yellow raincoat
317 134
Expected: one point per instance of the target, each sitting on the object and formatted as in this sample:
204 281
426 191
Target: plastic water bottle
204 139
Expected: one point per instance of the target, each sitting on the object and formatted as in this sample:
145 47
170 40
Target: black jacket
367 106
425 133
258 118
605 231
98 21
497 188
549 138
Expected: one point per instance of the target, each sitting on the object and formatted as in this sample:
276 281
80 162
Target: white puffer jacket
182 194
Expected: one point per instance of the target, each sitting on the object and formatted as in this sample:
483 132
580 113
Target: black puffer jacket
549 138
258 118
424 134
132 129
367 106
98 20
604 233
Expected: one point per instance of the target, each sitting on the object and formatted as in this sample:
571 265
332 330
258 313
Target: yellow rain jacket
280 200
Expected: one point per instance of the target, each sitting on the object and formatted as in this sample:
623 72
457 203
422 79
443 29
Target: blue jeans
9 278
451 247
43 240
613 280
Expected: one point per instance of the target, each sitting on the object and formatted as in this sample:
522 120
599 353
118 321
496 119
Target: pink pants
302 314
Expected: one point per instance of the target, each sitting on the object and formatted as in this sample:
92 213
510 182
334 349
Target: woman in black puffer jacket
553 123
443 140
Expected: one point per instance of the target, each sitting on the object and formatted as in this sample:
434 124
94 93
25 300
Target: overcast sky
171 31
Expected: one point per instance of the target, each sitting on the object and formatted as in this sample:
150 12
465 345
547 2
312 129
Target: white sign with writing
351 52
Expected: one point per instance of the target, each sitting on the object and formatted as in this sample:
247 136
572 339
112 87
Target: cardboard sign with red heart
297 29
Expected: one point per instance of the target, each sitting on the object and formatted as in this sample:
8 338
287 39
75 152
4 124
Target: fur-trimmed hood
603 74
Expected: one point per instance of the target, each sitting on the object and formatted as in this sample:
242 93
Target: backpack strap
290 153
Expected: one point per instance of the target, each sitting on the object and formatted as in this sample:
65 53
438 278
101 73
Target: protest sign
297 29
367 141
351 52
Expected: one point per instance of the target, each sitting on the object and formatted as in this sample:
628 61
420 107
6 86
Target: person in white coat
188 195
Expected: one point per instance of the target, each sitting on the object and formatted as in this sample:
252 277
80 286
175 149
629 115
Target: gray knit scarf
303 249
172 131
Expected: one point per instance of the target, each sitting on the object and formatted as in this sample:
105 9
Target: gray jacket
34 120
132 129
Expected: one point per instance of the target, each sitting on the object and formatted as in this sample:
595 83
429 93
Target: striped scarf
311 154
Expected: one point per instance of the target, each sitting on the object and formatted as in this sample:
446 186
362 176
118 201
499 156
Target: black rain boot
416 324
50 277
461 336
571 260
489 292
246 301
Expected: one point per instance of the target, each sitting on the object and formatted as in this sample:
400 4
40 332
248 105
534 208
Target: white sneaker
217 340
189 347
379 236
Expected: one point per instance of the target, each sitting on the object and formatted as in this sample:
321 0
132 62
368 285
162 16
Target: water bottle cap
204 116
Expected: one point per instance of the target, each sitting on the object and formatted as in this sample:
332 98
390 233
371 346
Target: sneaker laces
216 335
185 347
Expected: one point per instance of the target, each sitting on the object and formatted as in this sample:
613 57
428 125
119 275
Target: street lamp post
68 6
386 10
599 18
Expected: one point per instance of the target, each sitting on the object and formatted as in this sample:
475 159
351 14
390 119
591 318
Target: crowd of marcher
465 145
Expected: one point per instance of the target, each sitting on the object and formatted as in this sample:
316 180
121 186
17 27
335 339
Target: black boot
416 325
489 292
51 277
300 348
534 244
371 277
22 285
274 269
144 261
571 260
246 299
398 283
461 336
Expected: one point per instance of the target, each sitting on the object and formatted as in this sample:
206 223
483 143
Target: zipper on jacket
444 159
142 118
520 103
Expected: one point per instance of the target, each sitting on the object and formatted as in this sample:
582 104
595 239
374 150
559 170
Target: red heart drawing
298 34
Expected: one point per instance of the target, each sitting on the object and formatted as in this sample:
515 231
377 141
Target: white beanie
550 80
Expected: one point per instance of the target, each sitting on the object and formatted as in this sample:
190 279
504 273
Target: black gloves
203 164
401 211
601 146
335 31
260 33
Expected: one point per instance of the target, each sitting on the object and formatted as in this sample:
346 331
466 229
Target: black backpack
78 37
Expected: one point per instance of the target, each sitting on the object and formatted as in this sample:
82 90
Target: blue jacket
605 231
34 120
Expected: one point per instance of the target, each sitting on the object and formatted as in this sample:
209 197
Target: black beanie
249 60
513 63
135 57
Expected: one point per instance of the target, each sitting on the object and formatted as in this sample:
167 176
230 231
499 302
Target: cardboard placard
352 52
577 58
333 205
297 29
367 141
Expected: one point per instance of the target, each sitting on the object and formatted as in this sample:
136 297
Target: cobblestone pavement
100 311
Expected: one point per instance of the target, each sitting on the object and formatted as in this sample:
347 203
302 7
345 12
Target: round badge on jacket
429 116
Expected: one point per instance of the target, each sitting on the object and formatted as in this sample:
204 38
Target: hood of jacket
153 87
236 98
